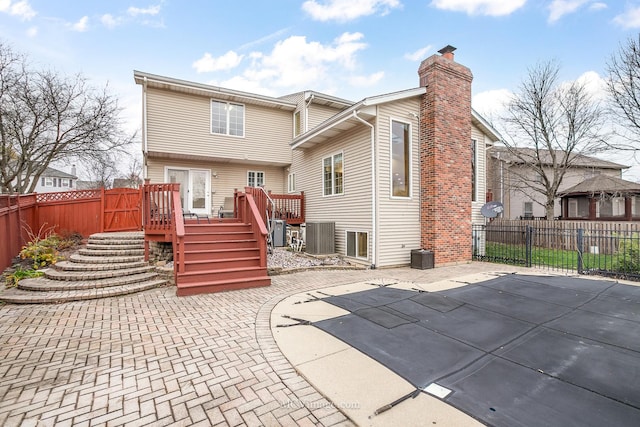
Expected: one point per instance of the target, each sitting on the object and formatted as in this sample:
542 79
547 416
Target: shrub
42 248
11 280
628 259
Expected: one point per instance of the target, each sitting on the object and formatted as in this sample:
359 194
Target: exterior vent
320 238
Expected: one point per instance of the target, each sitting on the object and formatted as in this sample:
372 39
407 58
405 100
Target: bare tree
550 126
47 117
623 84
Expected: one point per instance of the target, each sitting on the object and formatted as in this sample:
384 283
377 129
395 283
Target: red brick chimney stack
447 52
445 158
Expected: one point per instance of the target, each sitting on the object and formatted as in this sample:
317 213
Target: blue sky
348 48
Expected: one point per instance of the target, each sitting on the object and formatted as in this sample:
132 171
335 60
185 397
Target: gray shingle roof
602 184
519 155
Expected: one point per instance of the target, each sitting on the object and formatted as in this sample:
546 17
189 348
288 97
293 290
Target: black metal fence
595 250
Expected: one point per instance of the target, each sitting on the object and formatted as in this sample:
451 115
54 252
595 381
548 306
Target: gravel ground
287 259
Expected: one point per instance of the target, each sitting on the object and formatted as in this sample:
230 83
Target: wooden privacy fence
602 237
84 212
17 215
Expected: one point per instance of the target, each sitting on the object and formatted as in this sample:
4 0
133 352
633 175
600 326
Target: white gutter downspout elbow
374 181
306 112
145 147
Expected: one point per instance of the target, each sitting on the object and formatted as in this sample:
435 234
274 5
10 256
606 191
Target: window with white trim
528 209
227 118
474 169
610 207
65 182
400 159
48 182
358 244
291 183
255 179
297 124
332 175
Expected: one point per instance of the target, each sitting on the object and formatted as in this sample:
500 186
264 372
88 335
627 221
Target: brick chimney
445 158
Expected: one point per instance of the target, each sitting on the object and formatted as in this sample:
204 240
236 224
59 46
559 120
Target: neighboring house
127 182
394 172
602 198
88 185
512 181
53 180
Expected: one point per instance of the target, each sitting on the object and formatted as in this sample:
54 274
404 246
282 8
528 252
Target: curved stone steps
20 296
85 259
80 266
115 252
107 246
44 284
74 276
112 264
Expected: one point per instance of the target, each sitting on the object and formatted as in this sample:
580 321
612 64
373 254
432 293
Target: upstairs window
400 159
297 124
255 179
332 170
474 168
528 209
227 118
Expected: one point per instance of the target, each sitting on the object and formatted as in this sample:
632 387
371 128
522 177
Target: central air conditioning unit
320 238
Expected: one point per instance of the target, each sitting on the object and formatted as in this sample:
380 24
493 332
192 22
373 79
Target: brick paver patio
156 359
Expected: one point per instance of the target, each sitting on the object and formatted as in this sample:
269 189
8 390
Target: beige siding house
360 165
513 182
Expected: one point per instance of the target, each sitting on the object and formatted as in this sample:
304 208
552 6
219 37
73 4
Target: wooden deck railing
288 207
163 220
248 212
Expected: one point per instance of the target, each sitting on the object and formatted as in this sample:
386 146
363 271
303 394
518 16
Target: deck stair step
220 256
112 264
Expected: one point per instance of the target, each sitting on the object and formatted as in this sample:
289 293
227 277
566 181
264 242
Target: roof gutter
374 185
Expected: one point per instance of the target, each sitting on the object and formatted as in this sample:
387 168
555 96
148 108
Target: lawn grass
554 258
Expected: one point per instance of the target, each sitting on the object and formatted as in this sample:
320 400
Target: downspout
306 112
145 172
374 181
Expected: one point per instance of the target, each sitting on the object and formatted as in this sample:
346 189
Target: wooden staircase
220 256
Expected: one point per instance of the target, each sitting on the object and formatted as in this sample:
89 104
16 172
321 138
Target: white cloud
151 10
246 85
225 62
596 86
559 8
296 64
365 81
82 25
480 7
629 19
32 32
21 9
598 6
418 55
492 104
109 21
347 10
